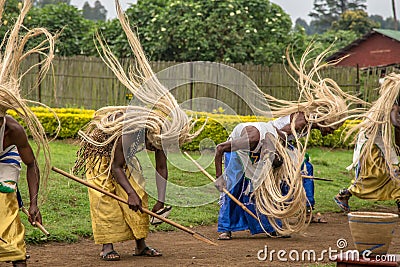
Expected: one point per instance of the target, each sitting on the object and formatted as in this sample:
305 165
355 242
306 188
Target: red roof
377 48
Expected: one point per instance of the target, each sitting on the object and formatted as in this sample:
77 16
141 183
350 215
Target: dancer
375 154
242 154
15 150
322 105
112 139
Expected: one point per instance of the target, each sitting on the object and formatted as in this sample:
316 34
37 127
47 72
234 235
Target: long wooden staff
183 228
317 178
24 210
37 224
224 190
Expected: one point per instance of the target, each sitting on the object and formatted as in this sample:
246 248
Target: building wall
377 50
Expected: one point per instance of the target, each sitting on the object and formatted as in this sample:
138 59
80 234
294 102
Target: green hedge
218 128
71 120
215 131
334 140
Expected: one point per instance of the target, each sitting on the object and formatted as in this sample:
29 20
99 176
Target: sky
295 8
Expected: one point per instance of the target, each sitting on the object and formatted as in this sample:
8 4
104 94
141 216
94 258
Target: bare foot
108 253
148 251
318 218
343 202
225 236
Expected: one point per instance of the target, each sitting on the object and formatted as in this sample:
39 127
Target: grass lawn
65 209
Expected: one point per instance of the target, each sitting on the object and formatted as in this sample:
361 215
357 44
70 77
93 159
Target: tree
378 19
327 11
10 14
356 21
226 31
42 3
333 39
65 19
98 12
384 23
144 17
302 23
389 24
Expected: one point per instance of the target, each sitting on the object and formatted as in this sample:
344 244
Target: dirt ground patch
180 249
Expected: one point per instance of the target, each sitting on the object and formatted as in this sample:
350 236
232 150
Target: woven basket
372 231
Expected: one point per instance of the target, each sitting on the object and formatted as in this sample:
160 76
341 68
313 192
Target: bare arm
299 123
32 171
221 148
249 140
117 168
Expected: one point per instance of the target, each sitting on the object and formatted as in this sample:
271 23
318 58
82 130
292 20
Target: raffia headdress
377 124
155 111
12 53
320 99
280 194
323 103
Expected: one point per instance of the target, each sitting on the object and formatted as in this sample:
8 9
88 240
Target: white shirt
251 158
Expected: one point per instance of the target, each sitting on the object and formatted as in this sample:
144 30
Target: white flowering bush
239 31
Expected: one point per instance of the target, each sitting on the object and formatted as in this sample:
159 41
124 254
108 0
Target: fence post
39 81
191 86
217 87
358 85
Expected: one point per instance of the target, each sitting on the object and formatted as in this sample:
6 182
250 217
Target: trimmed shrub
71 122
216 130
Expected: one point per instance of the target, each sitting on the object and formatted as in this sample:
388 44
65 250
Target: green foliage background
240 31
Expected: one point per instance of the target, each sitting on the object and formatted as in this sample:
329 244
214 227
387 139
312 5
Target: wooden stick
37 224
317 178
183 228
224 190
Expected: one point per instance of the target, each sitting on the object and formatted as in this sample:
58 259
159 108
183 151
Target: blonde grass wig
289 207
157 112
320 99
377 123
12 53
324 104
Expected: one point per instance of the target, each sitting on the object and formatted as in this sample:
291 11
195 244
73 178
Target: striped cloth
10 167
10 164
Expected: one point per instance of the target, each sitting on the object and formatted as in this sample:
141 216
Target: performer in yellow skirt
375 157
12 245
16 150
109 146
14 146
108 211
121 174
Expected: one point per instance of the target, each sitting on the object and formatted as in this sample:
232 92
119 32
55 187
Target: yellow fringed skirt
12 230
113 221
374 181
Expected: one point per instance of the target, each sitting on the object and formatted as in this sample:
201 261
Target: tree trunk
394 15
